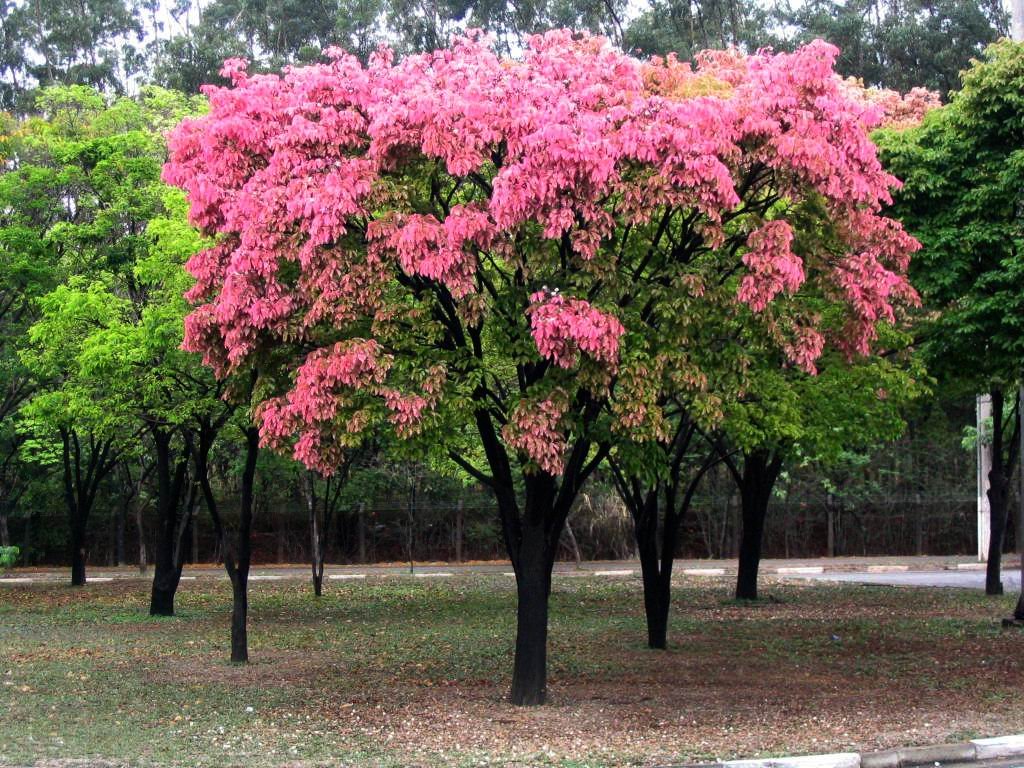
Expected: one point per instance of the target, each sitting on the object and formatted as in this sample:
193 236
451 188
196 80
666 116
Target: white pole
984 448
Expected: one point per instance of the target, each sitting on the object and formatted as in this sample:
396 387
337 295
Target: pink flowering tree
524 249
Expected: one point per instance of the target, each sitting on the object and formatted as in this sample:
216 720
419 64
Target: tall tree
65 42
685 27
900 44
459 238
104 350
963 170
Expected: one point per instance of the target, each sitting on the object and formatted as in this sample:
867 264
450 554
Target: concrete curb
1000 747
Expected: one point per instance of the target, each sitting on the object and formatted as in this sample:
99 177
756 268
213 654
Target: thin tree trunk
459 522
315 536
5 534
573 544
141 532
361 531
243 553
119 527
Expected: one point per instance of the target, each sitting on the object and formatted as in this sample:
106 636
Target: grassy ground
413 672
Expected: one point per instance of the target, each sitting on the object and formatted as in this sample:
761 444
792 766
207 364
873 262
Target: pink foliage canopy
377 219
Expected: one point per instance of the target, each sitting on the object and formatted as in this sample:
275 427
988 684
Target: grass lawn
395 671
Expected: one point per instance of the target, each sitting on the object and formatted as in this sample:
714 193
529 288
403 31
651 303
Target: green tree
899 44
787 417
685 27
58 42
104 340
963 198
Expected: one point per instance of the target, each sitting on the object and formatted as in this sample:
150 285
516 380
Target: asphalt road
959 579
958 572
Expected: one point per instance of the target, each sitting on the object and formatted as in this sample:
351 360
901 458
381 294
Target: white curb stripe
837 760
704 571
798 569
1000 746
341 576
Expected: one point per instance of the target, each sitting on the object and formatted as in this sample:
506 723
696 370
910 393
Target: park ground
395 671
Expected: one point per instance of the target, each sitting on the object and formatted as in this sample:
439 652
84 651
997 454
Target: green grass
403 672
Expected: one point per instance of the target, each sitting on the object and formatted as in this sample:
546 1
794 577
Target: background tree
788 416
685 27
962 197
900 44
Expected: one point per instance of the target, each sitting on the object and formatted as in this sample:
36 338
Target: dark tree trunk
459 522
657 597
657 591
168 556
5 535
533 588
643 504
140 529
239 616
78 556
531 539
760 471
82 475
239 571
315 535
361 532
999 491
119 526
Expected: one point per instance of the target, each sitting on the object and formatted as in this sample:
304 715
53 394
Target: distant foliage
8 557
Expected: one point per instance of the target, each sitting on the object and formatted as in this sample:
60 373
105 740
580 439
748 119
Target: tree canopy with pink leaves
539 248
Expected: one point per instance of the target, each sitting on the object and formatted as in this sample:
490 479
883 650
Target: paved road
917 571
963 579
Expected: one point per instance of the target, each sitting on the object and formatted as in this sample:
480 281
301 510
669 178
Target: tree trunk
459 522
361 531
119 526
78 556
533 587
760 470
5 535
315 536
657 598
998 494
169 550
656 590
239 616
239 571
141 532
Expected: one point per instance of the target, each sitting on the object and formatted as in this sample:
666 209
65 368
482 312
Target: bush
8 557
